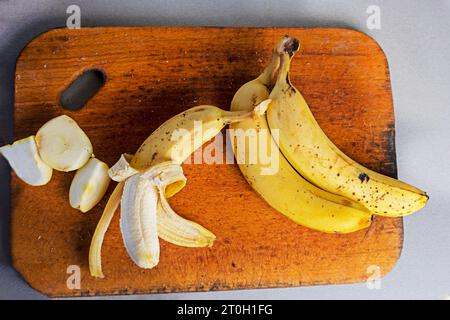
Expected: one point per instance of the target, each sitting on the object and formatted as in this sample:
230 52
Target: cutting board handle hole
82 89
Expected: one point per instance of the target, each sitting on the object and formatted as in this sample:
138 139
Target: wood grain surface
153 73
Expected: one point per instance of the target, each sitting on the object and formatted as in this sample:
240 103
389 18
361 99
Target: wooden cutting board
153 73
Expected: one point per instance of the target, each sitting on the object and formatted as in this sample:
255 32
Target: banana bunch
286 190
316 184
316 157
151 176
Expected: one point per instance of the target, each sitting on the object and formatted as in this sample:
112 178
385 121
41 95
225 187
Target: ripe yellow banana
314 156
285 190
177 138
155 174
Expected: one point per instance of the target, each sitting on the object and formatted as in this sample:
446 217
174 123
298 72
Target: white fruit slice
63 145
89 185
24 159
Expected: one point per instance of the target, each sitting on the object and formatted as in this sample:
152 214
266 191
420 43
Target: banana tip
211 240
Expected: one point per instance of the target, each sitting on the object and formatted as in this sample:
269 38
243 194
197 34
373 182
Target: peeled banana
156 168
285 190
314 156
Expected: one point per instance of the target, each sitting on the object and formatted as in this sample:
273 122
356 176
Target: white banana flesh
24 159
89 185
63 145
138 221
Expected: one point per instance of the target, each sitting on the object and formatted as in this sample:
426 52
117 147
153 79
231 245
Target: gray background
415 38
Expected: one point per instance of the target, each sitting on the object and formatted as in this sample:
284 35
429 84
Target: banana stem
267 77
287 45
287 49
285 65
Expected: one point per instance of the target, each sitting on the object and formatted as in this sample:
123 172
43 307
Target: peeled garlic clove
89 185
138 221
63 145
24 159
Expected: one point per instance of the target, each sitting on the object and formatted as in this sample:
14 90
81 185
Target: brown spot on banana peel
346 202
363 177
